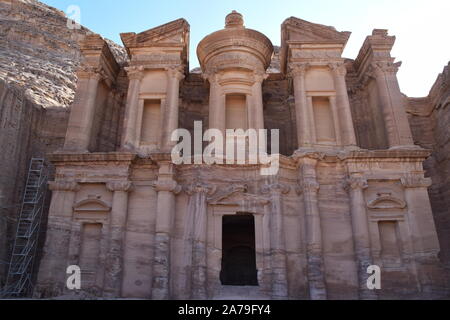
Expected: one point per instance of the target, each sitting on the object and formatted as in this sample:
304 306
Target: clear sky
422 27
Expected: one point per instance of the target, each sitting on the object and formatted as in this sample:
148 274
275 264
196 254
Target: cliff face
39 56
430 118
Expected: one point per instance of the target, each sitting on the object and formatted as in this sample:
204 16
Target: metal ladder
19 278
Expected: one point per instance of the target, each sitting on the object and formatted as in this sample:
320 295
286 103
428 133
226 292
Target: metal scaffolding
20 272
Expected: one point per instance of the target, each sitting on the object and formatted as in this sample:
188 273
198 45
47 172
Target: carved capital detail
64 186
415 181
381 68
167 185
200 187
124 186
338 69
276 188
309 185
260 76
176 72
354 183
299 69
135 72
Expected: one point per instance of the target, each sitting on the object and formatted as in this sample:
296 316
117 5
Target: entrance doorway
238 251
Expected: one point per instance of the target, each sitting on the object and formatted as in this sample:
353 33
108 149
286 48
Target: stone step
240 293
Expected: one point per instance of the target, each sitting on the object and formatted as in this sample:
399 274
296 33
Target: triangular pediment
302 31
175 32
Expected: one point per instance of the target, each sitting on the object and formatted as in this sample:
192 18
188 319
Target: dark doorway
238 251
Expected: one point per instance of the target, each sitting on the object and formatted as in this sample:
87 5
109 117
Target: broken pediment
172 33
301 31
386 201
91 205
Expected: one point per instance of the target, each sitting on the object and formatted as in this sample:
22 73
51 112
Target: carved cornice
167 185
64 186
260 76
124 186
412 180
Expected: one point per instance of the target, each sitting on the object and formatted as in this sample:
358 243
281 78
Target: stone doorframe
231 202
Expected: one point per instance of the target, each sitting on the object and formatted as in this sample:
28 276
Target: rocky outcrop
39 56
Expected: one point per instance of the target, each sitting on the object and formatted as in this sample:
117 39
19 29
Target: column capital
200 187
309 185
298 69
411 180
135 72
355 183
176 72
380 68
167 185
64 186
124 186
276 188
260 76
90 72
338 68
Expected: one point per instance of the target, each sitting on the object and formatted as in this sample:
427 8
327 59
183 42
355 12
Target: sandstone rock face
430 118
38 59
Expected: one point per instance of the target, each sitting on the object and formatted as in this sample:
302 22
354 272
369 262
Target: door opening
238 251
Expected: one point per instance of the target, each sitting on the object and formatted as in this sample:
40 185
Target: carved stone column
343 105
52 271
421 223
258 100
336 121
302 115
277 239
166 187
361 235
310 188
114 260
392 104
175 75
217 112
197 212
130 139
78 136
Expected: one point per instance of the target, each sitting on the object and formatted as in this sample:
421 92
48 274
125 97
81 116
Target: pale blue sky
422 27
